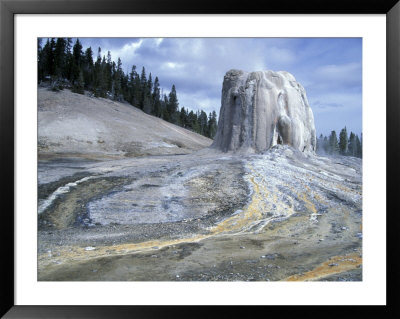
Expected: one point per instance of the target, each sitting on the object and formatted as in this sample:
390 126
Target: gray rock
262 109
269 256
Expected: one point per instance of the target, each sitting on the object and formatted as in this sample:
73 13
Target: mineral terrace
258 205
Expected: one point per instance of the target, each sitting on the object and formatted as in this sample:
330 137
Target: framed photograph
174 154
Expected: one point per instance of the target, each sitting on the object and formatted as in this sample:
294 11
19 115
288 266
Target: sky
330 69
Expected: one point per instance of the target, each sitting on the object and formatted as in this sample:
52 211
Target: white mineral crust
262 109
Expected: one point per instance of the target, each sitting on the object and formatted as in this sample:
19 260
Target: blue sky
330 69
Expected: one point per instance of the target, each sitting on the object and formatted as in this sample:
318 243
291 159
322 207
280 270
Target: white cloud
158 41
198 101
128 50
172 65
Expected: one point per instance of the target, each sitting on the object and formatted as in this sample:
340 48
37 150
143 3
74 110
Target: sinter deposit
262 109
126 196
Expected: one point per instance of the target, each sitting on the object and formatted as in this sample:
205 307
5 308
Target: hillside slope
71 124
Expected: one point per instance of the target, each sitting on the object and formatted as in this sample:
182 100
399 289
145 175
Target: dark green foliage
117 81
359 147
98 77
142 88
107 67
202 118
64 64
347 146
172 106
88 68
333 143
46 60
79 84
77 61
212 124
156 98
343 141
67 73
352 145
40 69
165 113
183 117
148 103
60 58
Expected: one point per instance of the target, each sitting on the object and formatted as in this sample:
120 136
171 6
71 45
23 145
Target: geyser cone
262 109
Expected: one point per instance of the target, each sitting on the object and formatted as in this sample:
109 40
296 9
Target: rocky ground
206 216
118 201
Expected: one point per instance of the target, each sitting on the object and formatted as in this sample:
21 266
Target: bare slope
71 124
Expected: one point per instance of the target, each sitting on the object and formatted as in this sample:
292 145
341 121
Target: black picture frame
8 8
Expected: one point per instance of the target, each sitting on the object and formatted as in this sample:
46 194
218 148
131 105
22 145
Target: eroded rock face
262 109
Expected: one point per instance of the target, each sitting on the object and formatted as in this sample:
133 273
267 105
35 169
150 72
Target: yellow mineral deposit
234 223
252 214
334 265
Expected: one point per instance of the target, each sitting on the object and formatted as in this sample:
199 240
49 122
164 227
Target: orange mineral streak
334 265
309 205
238 222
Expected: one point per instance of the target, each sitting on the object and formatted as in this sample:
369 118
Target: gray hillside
71 124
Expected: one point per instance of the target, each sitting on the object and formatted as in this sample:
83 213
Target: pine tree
59 58
79 84
147 96
107 78
359 148
108 73
212 124
143 88
51 60
138 91
203 123
117 80
156 98
51 49
343 141
47 59
183 118
69 60
88 68
125 86
77 60
172 106
149 85
98 80
352 147
193 122
333 143
165 113
40 61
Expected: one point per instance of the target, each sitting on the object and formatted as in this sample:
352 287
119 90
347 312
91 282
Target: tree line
65 65
344 145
